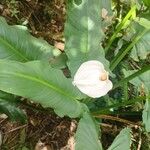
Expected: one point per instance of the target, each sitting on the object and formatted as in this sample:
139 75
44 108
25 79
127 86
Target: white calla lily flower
92 79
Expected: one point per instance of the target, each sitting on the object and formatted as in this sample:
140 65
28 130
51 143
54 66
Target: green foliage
44 85
122 141
147 3
59 62
120 26
140 81
24 73
146 115
121 54
8 105
83 34
87 134
142 48
17 44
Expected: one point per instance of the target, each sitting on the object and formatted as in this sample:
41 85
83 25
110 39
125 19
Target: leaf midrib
5 42
32 78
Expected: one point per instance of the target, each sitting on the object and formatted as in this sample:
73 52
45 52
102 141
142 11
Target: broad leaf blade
146 115
17 44
122 141
83 33
87 134
42 84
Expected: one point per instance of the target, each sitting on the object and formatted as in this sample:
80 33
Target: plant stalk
120 26
125 103
122 54
130 77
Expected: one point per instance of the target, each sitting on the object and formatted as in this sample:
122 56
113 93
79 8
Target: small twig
116 119
106 125
18 128
139 143
3 120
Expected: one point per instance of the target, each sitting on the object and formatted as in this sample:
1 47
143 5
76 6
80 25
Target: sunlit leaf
83 33
42 84
122 141
17 44
87 135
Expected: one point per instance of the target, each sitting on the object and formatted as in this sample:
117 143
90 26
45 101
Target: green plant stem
120 26
130 77
125 90
125 103
122 54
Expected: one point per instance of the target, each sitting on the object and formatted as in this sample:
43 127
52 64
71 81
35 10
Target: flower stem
130 77
125 103
120 26
122 54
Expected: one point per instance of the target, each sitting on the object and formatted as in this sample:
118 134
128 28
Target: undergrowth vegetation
107 71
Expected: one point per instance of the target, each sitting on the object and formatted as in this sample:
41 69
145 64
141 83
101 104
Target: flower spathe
92 79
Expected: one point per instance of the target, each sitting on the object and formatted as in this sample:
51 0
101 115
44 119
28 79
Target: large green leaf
83 33
42 84
122 141
17 44
146 115
141 81
87 135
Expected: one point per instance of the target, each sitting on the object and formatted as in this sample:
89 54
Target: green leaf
143 22
17 44
146 115
142 48
122 141
59 62
141 81
6 96
83 33
47 86
87 135
8 106
147 3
